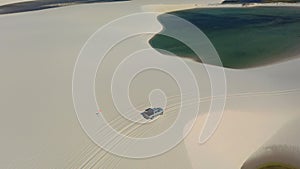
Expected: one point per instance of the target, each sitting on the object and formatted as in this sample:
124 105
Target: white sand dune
251 118
168 8
38 124
5 2
282 147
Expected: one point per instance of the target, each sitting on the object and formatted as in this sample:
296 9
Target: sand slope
38 125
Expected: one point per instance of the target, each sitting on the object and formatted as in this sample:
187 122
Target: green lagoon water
243 37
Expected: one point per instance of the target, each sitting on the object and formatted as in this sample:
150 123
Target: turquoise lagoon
243 37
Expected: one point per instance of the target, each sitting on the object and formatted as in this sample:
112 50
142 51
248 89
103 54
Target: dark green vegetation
286 1
243 37
257 1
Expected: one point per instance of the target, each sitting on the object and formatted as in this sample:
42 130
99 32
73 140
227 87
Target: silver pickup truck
151 113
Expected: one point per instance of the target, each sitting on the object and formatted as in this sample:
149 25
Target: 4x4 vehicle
151 113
